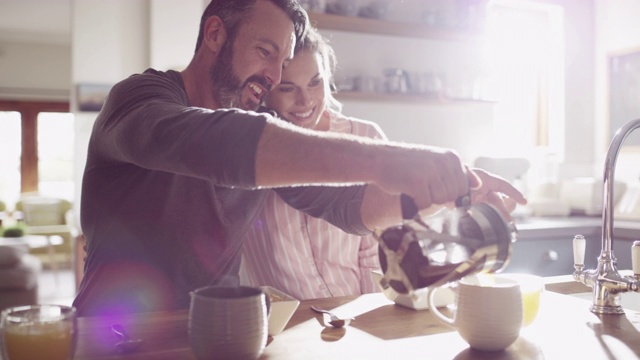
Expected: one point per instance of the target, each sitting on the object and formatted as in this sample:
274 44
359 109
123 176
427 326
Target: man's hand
494 190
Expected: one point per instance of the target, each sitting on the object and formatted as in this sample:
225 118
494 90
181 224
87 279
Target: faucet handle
635 257
579 246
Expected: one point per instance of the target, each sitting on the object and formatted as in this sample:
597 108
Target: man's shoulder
151 82
153 75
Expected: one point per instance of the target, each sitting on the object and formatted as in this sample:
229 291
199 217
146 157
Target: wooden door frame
29 111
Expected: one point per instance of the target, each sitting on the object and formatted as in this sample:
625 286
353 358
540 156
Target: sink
629 301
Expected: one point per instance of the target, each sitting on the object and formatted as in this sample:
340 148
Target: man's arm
288 155
432 177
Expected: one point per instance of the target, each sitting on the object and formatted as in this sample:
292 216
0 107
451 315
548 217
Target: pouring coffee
474 239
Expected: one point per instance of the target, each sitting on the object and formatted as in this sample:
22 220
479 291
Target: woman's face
300 96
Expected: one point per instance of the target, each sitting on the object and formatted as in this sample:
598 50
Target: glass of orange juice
532 287
39 332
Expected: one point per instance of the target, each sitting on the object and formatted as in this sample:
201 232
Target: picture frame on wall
624 92
91 97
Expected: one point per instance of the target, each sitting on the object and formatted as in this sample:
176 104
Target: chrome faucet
607 283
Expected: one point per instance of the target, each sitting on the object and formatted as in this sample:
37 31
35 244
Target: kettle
474 239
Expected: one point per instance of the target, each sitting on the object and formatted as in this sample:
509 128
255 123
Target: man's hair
233 11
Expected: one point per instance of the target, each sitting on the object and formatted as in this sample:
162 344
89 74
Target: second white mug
487 313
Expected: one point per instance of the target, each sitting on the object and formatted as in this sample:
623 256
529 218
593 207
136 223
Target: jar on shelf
318 6
343 7
376 9
396 80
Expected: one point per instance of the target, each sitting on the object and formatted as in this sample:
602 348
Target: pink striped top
307 257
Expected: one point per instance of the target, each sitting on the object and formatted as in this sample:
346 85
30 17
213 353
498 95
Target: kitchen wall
50 79
35 50
113 39
467 127
618 31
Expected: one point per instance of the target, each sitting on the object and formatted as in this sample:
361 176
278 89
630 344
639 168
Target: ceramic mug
487 313
228 322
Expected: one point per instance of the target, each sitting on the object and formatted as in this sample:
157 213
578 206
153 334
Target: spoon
125 344
335 320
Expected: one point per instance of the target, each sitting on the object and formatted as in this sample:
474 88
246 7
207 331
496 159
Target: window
55 154
525 54
36 143
10 149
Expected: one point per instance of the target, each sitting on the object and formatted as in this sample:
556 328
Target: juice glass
38 332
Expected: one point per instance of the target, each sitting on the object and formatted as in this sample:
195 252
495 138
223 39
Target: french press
474 239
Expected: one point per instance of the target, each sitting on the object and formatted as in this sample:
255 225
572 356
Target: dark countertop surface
554 227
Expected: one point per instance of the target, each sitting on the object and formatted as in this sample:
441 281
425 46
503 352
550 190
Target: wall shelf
363 25
382 27
406 98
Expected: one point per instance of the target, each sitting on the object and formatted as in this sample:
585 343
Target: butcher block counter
564 329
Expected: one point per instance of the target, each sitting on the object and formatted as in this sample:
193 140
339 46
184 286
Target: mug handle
267 300
434 310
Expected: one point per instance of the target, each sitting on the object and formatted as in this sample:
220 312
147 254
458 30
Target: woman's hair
314 42
233 11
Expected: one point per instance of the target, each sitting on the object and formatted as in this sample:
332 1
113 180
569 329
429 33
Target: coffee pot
474 239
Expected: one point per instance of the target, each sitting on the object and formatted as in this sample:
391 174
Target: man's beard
227 85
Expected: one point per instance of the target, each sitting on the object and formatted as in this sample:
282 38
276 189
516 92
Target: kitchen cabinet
549 257
544 246
404 30
622 252
624 234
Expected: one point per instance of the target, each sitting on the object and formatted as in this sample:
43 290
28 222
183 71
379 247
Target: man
174 167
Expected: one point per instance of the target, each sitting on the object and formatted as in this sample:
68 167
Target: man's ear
215 33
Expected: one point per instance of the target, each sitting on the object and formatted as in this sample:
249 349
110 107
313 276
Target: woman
287 249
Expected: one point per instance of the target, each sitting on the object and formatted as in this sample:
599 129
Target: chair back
43 211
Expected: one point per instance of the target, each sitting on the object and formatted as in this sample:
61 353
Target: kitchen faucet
607 283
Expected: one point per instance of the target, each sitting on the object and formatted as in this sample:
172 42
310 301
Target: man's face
251 63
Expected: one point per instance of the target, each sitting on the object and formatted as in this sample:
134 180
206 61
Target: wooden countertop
565 328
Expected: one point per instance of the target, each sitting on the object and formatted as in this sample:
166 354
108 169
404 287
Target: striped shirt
307 257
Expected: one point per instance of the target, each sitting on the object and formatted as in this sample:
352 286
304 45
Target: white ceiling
40 21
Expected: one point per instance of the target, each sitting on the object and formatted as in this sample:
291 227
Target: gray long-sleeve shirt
167 197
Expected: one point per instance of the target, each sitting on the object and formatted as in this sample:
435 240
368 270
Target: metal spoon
334 321
125 344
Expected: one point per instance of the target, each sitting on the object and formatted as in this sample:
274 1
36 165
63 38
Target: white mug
487 313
